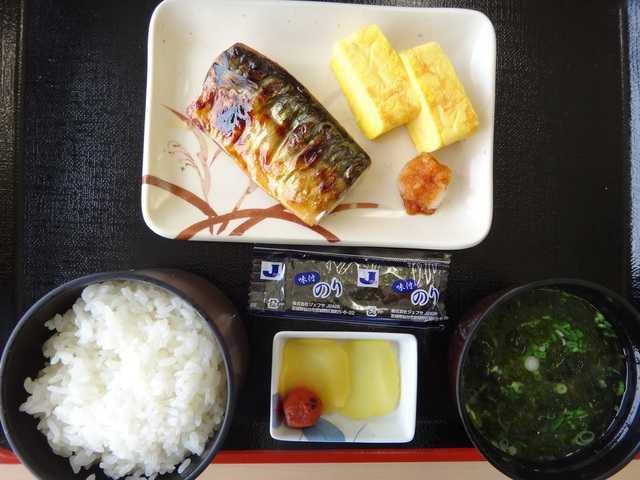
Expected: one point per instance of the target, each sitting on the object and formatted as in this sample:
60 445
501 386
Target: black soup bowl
23 358
546 378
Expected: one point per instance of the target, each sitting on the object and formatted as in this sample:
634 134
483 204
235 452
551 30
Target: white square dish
191 191
397 426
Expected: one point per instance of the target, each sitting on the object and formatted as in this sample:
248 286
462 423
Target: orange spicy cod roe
302 408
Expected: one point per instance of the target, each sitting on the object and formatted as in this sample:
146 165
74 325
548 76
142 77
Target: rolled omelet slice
374 82
447 115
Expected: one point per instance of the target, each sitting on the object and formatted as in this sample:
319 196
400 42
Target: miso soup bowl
23 357
607 454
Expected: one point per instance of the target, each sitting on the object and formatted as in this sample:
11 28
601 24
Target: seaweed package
360 286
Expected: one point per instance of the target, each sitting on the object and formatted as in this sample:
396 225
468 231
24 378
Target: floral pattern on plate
214 222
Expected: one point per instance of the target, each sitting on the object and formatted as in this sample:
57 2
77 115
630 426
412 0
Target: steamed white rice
134 381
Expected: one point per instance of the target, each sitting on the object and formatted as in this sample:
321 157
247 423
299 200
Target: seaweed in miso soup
544 375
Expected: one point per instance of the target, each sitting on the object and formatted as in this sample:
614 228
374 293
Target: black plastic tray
566 170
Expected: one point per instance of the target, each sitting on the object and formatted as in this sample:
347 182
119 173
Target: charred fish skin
278 133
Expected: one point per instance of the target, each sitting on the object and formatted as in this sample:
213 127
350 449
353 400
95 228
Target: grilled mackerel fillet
278 133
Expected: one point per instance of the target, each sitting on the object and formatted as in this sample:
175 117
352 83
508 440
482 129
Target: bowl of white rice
130 375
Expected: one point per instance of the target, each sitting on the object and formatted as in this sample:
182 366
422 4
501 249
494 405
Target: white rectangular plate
397 426
191 191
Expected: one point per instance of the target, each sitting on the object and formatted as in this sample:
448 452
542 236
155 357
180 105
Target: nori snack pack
360 286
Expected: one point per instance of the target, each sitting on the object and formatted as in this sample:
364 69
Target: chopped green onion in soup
544 376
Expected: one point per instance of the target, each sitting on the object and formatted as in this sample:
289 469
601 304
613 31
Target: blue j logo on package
368 277
272 271
367 286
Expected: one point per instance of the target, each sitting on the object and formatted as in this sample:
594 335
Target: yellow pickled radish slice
320 365
375 380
